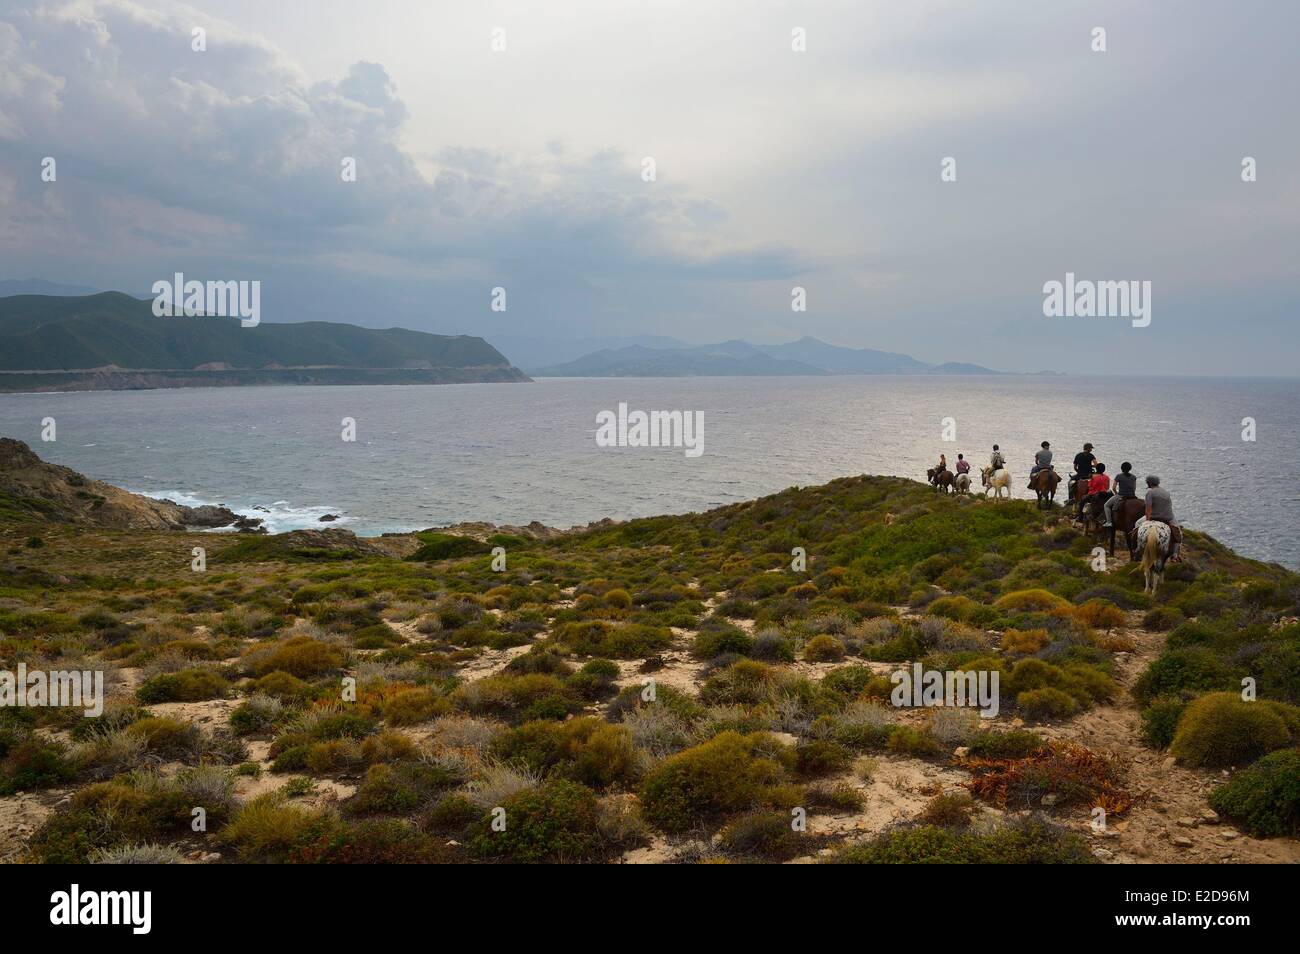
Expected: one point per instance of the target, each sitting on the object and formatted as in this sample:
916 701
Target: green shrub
282 686
619 599
906 740
1186 671
598 637
949 811
1032 841
299 656
373 841
717 640
451 815
519 698
1264 799
823 648
1046 703
1015 744
817 757
595 680
1160 719
1220 729
255 714
1161 619
400 789
1031 601
188 685
168 737
730 773
587 750
766 835
413 706
34 763
271 829
850 681
555 822
131 810
446 546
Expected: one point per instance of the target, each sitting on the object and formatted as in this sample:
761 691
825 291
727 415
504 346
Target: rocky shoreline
33 487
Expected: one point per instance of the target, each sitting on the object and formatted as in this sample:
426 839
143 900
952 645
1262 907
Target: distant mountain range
532 352
807 356
111 340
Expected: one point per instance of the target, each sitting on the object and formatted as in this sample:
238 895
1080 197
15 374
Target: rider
1125 489
997 461
1083 462
940 468
963 465
1160 506
1098 483
1042 461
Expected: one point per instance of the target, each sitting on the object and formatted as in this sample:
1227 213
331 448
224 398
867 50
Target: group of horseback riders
1090 486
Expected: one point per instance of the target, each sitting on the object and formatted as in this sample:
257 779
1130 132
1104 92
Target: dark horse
1127 515
1094 512
941 479
1044 484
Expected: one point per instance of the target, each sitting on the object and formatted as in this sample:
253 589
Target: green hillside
666 689
40 332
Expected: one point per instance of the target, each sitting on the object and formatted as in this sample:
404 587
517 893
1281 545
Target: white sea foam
278 517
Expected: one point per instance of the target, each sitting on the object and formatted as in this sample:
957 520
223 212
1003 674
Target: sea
427 456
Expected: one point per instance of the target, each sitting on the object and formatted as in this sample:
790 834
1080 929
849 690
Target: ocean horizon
436 455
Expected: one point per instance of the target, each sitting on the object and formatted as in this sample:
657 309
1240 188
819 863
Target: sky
819 168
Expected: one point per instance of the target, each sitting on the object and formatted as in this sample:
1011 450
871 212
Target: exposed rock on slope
32 488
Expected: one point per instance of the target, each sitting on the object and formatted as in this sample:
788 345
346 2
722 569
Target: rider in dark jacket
1125 489
1083 462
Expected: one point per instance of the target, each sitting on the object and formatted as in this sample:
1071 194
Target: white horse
996 481
961 483
1153 540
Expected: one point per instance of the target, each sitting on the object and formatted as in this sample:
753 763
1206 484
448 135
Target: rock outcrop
33 488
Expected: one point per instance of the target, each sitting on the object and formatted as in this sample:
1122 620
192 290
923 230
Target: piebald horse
961 483
996 481
1153 539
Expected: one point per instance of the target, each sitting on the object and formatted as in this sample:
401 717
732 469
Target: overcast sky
522 168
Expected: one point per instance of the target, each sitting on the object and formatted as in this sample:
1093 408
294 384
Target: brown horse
1044 485
1094 513
943 480
1127 515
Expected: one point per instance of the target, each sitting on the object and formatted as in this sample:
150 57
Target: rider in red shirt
1098 483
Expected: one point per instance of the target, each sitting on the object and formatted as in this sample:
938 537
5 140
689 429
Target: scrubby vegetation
667 684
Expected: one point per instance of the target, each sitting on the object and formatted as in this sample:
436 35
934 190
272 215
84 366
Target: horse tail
1150 549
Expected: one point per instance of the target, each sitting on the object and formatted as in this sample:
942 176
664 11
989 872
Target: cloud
236 145
774 168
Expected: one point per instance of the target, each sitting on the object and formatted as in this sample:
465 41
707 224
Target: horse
1094 513
943 481
996 481
1044 485
1127 515
1154 539
961 483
